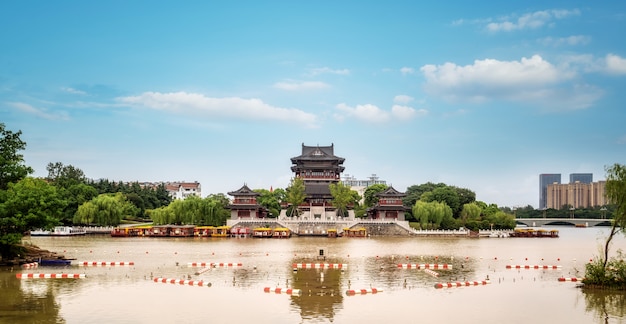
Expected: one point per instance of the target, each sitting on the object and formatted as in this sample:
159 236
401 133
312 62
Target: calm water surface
127 294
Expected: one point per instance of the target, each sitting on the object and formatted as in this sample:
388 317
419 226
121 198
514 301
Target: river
235 294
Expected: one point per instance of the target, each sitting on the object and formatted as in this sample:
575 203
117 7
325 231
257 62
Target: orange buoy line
548 267
50 275
431 272
198 283
461 284
352 292
214 264
320 265
573 279
424 266
278 290
104 263
30 265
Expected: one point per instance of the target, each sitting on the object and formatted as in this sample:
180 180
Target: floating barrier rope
571 279
424 266
50 275
432 273
320 265
214 264
198 283
461 284
288 291
547 267
352 292
105 264
30 265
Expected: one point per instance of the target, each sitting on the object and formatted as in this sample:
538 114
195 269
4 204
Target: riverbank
31 253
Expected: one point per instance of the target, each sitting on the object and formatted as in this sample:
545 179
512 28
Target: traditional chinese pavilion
318 167
389 205
244 205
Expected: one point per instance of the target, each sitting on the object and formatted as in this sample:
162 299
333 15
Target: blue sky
484 97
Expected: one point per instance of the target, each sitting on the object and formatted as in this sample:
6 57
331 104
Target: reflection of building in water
321 292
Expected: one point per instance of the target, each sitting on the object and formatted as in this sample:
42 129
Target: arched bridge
532 222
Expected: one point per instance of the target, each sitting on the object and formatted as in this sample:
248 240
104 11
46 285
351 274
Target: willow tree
616 195
104 210
295 195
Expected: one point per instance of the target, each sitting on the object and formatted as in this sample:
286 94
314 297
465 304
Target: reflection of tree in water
605 304
321 292
27 301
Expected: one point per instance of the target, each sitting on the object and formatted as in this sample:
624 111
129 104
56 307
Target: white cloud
531 20
406 112
373 114
368 113
563 41
402 99
39 112
231 107
407 70
73 91
301 86
527 80
327 70
615 64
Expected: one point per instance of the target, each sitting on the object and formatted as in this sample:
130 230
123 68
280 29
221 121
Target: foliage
65 175
270 200
27 205
370 195
446 195
431 214
611 274
12 168
104 210
295 195
209 211
470 212
343 197
144 197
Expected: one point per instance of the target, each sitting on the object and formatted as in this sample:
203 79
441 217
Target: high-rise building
576 195
546 179
581 177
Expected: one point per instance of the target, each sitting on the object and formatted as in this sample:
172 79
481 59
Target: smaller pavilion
389 205
244 205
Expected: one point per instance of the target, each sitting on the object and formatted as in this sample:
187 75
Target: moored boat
59 231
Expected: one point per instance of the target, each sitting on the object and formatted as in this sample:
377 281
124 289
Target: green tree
75 195
415 192
370 195
343 196
12 168
65 176
269 200
295 195
27 205
447 195
616 194
471 211
104 210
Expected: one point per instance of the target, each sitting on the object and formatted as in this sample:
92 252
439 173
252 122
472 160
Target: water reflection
27 301
605 304
321 295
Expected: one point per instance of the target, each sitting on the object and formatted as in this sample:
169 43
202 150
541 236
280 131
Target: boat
59 231
54 262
